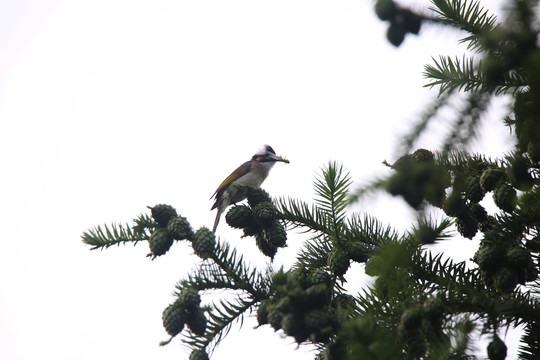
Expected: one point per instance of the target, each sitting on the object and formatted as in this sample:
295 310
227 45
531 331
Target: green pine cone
316 320
290 324
519 173
490 178
160 242
423 155
489 258
320 276
256 196
297 298
264 246
517 258
487 224
196 321
411 320
262 312
344 301
386 9
198 355
335 350
293 325
533 149
487 277
395 34
397 184
204 242
179 228
173 319
279 278
274 318
532 271
321 336
298 277
414 193
190 299
411 23
283 305
317 295
357 251
473 190
435 191
479 212
454 205
404 163
434 308
239 217
496 349
505 280
505 197
162 213
339 262
276 234
252 229
467 225
264 213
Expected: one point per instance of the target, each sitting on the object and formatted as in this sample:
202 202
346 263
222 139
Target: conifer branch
467 121
314 252
237 271
530 341
453 74
222 315
116 234
466 293
461 334
465 15
442 273
467 75
299 214
102 237
325 216
332 187
369 230
375 185
460 160
226 270
424 119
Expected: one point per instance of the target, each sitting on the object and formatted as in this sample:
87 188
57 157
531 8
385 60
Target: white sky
109 106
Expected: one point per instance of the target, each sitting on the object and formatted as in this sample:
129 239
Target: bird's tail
216 222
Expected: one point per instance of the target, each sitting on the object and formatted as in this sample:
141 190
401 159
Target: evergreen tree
421 304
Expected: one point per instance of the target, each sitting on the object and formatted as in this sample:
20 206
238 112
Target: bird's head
267 154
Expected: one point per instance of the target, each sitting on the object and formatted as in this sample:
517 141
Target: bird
252 173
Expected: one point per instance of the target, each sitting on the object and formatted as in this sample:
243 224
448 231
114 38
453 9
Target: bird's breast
253 179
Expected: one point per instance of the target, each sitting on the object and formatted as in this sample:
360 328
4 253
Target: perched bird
252 173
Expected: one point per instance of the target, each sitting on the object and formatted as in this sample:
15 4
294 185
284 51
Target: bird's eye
262 158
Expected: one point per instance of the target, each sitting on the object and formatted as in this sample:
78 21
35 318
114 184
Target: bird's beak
278 158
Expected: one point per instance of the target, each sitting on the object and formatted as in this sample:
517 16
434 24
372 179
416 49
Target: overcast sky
109 106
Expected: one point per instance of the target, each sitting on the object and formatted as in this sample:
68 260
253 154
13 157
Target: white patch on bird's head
265 150
267 155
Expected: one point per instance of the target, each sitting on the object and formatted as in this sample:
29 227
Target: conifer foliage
421 304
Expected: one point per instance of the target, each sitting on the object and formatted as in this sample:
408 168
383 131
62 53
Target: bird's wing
235 175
